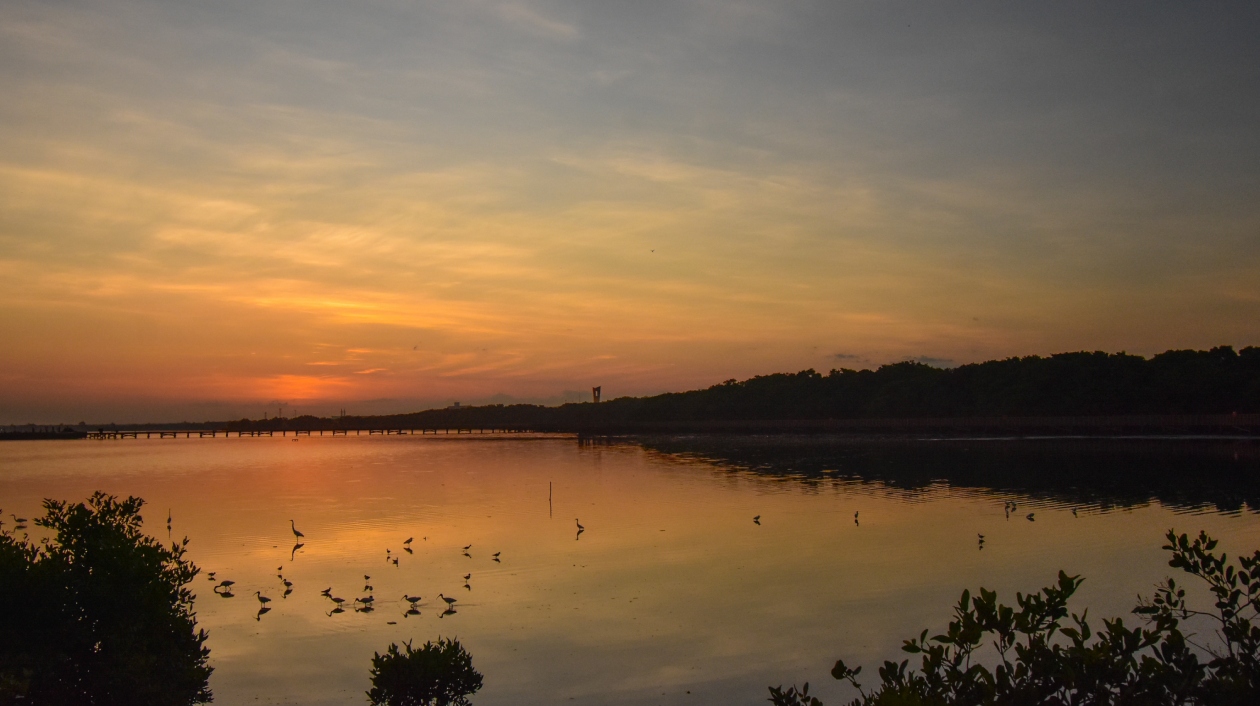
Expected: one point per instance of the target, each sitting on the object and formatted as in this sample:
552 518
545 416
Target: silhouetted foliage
435 675
100 615
1186 382
1043 659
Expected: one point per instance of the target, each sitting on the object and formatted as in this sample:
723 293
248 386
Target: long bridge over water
212 433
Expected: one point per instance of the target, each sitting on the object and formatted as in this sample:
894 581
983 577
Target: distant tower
595 392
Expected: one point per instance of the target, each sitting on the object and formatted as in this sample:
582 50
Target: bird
327 592
395 561
981 536
168 517
496 554
211 574
579 524
412 599
366 577
408 540
467 547
365 601
757 519
387 552
261 598
1074 513
1030 517
287 583
467 576
18 520
338 601
225 584
296 533
449 601
368 587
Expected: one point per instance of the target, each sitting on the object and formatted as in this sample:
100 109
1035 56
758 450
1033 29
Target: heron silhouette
298 535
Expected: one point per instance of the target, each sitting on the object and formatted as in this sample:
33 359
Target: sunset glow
216 210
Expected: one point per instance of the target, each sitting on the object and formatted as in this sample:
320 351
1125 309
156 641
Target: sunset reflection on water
671 595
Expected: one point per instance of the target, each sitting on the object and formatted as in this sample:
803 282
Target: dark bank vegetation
98 614
437 674
1183 382
1178 654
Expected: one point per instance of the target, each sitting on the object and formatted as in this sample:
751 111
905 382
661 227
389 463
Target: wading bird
1030 517
757 519
225 584
579 524
412 599
338 601
369 600
327 592
298 535
261 598
17 520
408 540
449 601
496 554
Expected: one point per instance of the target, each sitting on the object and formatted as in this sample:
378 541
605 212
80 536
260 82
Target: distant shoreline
1234 426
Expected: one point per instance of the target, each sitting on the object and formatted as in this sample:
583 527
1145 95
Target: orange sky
209 212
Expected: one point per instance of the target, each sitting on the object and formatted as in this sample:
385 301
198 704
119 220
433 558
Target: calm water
672 595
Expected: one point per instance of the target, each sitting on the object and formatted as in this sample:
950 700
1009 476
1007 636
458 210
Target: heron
579 524
449 601
17 520
261 598
296 533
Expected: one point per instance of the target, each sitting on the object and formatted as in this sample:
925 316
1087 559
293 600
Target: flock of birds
366 603
362 604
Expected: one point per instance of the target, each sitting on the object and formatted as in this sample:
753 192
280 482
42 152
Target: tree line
1177 382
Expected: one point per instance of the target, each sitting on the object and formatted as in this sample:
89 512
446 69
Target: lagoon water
672 594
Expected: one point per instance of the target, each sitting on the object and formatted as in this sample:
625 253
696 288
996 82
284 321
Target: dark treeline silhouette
1220 381
1099 473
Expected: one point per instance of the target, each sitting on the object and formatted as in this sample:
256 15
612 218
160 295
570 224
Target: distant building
454 406
595 392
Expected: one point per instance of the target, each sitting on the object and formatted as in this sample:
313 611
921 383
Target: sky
212 210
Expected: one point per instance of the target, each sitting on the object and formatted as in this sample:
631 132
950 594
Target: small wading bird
327 592
395 560
579 525
756 519
338 601
496 554
296 533
408 540
1030 517
466 548
449 601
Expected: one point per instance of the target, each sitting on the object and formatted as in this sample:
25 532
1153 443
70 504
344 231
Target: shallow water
671 595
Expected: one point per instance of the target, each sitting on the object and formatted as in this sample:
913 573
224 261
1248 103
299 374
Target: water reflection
671 595
1190 474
